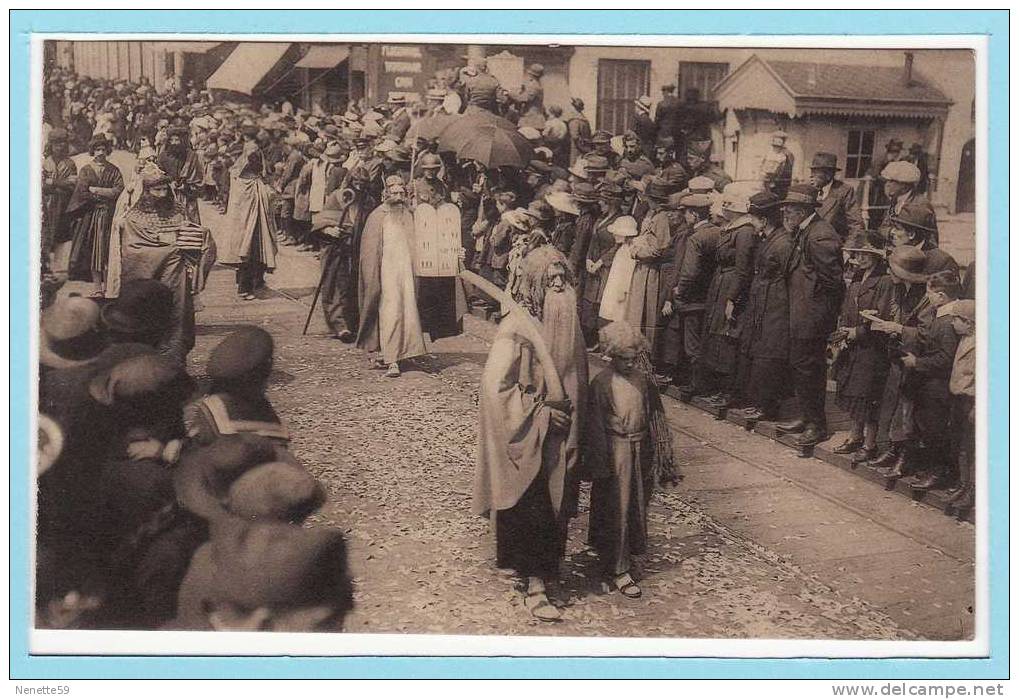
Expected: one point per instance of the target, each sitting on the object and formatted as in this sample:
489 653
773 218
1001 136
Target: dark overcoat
814 280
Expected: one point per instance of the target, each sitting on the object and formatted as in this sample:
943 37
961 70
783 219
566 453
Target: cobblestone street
754 543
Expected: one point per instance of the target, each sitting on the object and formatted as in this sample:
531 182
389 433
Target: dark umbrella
430 127
494 147
467 126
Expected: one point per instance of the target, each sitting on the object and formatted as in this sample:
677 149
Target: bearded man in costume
532 398
390 327
157 240
184 166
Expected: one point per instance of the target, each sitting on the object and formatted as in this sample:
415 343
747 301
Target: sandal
377 363
393 371
537 603
625 584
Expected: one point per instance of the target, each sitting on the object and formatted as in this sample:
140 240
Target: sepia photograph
609 339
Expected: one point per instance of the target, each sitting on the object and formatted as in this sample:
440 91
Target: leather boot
792 427
812 435
896 470
884 459
966 499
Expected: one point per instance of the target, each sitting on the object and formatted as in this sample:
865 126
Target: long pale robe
515 442
389 321
618 452
250 224
616 294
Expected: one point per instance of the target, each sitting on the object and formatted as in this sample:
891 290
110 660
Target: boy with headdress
90 212
532 401
619 454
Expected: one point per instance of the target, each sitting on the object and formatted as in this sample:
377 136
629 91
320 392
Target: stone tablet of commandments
436 240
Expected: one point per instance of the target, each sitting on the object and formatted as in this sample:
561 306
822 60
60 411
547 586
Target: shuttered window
701 77
619 84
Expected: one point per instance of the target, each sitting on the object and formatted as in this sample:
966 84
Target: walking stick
314 300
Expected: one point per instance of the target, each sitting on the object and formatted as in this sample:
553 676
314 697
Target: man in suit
901 178
815 287
399 123
530 98
838 199
580 130
480 88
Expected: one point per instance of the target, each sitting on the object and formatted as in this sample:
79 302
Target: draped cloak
250 224
389 320
515 442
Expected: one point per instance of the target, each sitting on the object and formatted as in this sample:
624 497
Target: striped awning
324 56
245 67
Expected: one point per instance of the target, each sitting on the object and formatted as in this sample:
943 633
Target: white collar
806 222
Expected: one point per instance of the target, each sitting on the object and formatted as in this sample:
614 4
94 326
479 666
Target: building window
700 78
859 153
619 84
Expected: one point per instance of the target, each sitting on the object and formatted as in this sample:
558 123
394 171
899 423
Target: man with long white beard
157 240
532 399
390 327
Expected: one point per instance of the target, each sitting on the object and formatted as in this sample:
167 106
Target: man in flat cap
698 164
901 178
838 199
530 98
815 286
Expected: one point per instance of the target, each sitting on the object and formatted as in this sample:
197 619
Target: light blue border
993 24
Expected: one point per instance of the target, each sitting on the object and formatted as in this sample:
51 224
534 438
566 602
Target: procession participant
815 286
619 454
59 177
530 98
901 178
644 126
156 239
183 165
614 301
599 258
838 199
532 402
777 166
911 226
429 189
340 223
726 296
861 365
764 322
251 242
90 213
580 130
650 249
390 328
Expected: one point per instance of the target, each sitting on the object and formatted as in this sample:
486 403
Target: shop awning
324 56
245 67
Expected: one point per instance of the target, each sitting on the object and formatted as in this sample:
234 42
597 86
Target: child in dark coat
861 367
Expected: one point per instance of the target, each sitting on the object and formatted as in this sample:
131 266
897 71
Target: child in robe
620 455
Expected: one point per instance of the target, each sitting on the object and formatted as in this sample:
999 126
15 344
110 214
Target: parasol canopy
489 139
431 126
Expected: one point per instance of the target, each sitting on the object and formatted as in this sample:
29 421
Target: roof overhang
324 56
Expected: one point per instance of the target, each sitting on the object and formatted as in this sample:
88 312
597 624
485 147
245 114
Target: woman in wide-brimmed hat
861 364
600 253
